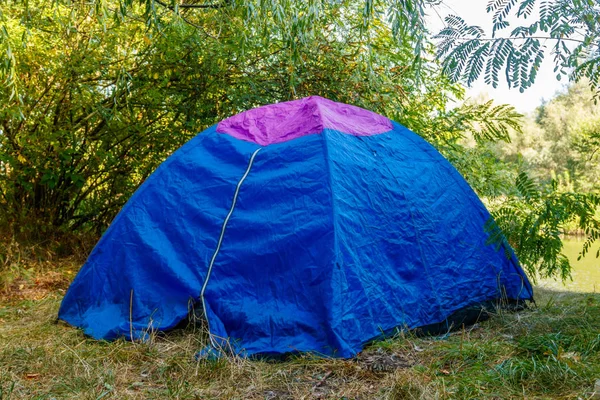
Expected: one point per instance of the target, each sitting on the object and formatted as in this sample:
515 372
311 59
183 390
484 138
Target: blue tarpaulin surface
333 240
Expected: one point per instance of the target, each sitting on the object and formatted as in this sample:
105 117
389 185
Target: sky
473 12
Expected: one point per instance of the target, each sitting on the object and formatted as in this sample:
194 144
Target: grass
552 351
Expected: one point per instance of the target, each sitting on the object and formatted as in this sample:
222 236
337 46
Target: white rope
214 257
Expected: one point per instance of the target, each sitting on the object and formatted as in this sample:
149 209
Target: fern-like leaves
533 222
571 29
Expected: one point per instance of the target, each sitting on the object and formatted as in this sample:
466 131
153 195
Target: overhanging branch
511 38
205 6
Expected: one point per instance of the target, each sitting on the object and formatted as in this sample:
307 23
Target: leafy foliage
571 27
292 24
96 94
560 141
102 92
534 220
479 164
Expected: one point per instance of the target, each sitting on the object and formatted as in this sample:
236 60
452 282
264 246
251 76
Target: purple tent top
281 122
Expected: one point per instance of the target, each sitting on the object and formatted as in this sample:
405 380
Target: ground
549 351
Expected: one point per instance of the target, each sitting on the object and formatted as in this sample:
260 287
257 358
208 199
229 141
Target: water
585 272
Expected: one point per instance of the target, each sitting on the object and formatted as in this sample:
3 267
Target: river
585 272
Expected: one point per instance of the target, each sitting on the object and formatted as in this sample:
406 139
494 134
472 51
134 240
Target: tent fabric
293 119
324 227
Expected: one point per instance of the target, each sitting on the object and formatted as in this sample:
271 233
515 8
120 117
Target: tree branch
509 38
187 21
205 6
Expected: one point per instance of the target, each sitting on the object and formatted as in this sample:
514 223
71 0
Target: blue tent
301 226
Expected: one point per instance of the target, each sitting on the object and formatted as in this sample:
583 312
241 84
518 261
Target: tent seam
341 340
220 241
329 180
333 203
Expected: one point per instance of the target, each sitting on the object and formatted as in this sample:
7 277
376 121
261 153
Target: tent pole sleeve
220 241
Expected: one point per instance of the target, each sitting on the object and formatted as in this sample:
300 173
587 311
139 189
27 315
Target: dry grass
552 351
40 358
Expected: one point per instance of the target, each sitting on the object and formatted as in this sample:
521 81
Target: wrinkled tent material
308 225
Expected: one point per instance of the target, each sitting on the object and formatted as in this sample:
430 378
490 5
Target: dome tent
307 225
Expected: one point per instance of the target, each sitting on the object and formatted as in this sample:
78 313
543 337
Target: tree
98 94
570 29
560 141
534 220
